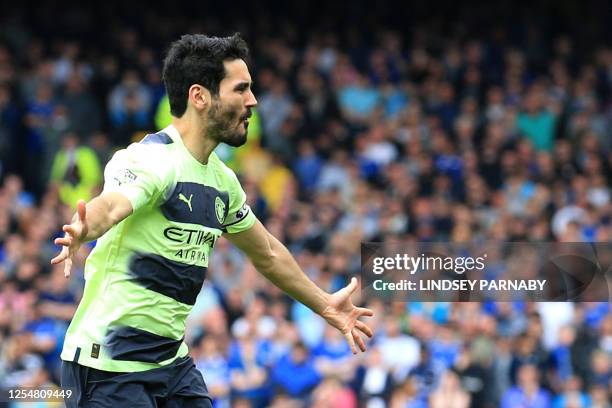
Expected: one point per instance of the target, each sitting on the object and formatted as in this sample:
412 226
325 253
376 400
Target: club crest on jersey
220 209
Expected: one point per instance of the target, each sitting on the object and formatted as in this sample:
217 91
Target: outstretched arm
90 222
275 262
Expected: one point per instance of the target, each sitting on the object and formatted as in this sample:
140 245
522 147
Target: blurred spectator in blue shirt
527 392
130 105
359 99
249 377
295 373
209 359
572 395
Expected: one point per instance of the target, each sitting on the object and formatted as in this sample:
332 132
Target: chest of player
196 204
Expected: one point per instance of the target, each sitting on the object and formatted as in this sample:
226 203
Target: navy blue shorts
178 384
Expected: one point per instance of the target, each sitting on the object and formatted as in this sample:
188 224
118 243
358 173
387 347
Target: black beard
221 126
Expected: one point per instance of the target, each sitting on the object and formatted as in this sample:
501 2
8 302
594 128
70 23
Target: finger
81 206
61 257
351 342
352 287
364 312
67 267
69 229
358 340
346 291
66 241
364 328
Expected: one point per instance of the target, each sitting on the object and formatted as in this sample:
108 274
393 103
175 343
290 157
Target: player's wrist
325 306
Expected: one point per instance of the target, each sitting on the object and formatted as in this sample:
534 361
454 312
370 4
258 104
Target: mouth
244 119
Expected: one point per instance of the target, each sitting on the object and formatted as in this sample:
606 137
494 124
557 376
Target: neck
194 136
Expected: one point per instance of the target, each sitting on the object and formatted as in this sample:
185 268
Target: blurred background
420 121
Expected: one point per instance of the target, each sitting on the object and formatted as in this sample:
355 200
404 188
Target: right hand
344 316
75 234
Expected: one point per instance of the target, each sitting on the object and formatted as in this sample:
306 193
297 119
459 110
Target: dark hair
198 59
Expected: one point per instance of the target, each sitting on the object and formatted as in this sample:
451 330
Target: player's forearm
97 219
282 269
102 214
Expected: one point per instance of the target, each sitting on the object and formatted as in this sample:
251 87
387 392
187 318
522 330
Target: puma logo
182 197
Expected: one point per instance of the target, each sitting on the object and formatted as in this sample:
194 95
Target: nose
251 101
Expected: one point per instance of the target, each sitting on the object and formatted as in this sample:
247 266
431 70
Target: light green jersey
145 273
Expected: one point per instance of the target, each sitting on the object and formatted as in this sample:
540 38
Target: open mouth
244 119
246 115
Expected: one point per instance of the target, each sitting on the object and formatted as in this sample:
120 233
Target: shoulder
148 154
152 148
159 142
160 138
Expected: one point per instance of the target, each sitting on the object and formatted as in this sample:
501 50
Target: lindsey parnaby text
482 285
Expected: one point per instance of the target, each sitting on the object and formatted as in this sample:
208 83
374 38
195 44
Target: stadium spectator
449 390
295 373
527 391
76 172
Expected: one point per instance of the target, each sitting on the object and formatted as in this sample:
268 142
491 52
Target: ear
199 97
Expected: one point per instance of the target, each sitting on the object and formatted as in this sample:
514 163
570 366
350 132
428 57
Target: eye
242 88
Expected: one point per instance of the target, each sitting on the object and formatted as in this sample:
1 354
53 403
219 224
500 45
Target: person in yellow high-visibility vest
75 171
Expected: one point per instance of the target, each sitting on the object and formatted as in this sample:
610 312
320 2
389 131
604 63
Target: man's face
230 110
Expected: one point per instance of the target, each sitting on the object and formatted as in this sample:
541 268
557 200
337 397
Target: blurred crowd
421 136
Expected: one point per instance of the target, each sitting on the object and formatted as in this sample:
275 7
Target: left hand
343 315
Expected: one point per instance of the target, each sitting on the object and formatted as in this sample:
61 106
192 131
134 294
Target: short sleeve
136 173
240 217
